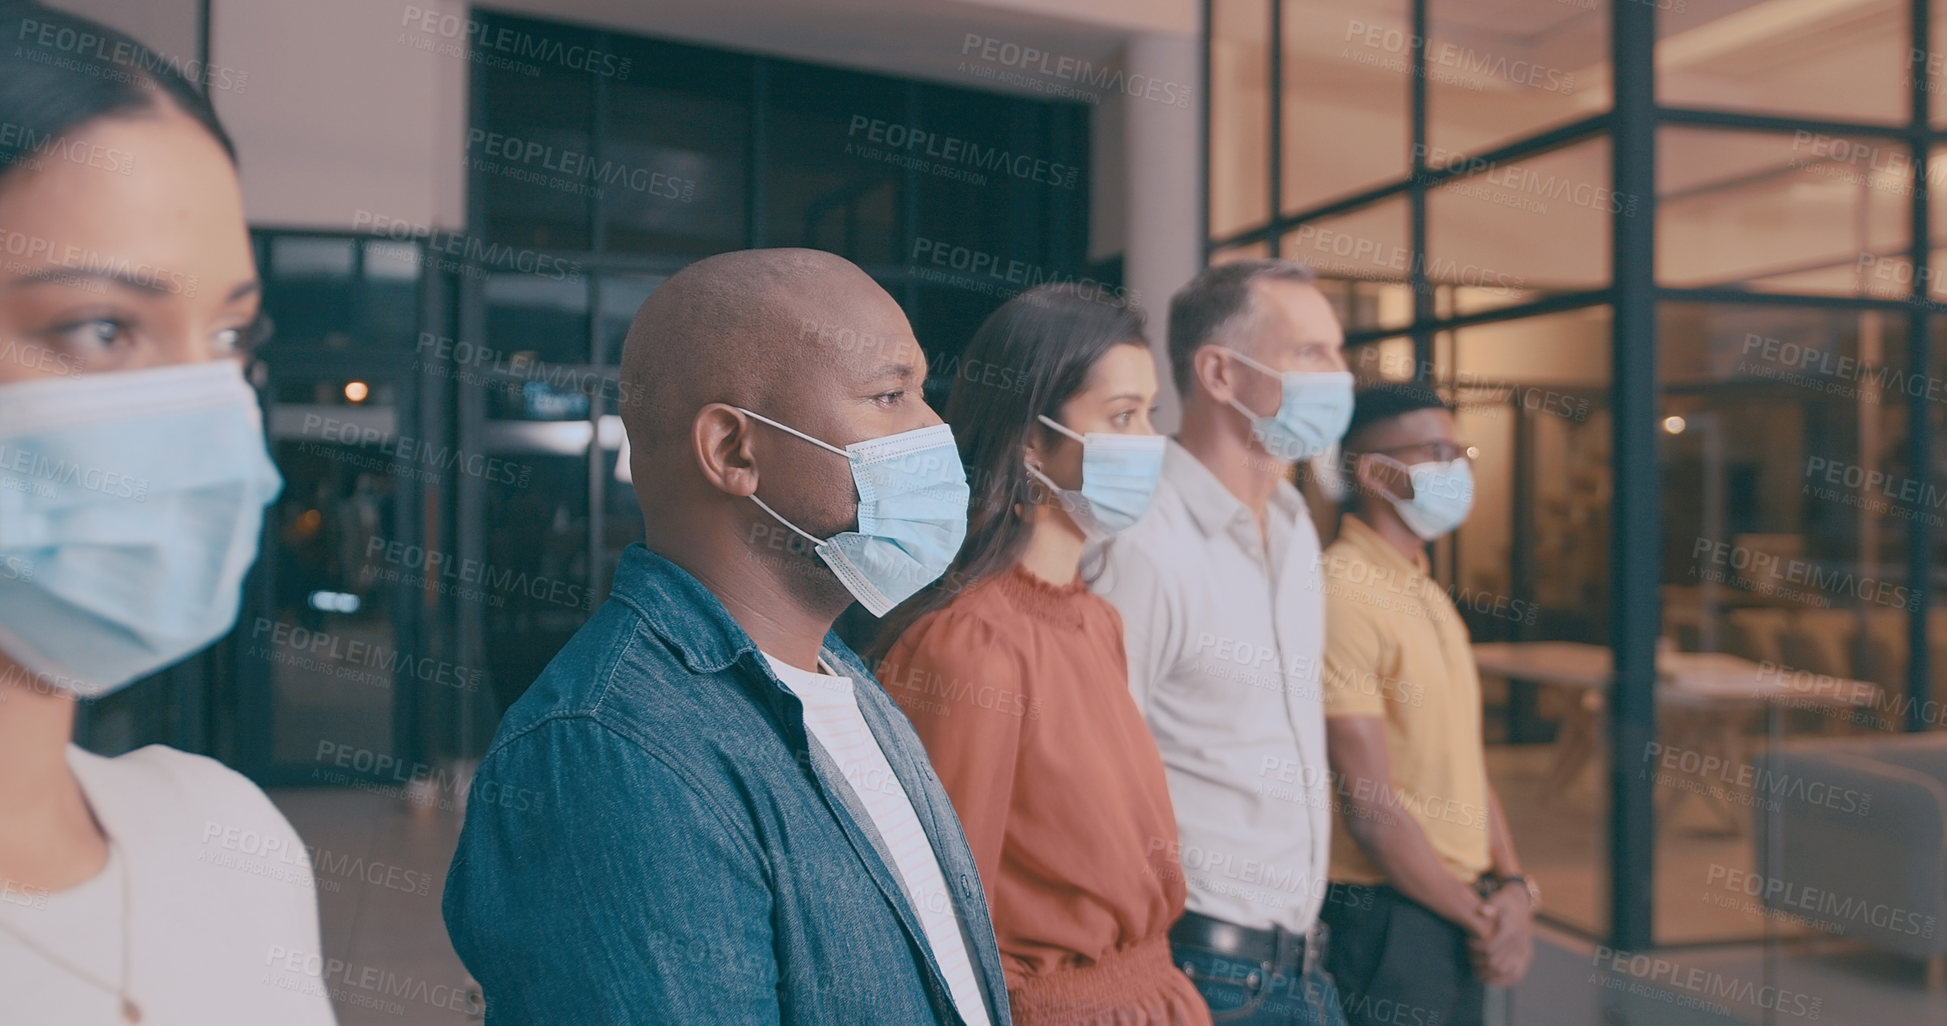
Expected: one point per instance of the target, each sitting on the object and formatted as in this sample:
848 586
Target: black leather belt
1275 948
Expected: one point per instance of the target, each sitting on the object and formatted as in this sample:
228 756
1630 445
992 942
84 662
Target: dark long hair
1028 358
61 71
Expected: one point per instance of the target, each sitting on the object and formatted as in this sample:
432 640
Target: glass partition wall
1673 264
606 184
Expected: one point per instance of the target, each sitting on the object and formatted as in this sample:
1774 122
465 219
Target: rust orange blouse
1019 690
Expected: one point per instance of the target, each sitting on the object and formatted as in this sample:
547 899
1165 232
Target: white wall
340 113
1163 249
166 26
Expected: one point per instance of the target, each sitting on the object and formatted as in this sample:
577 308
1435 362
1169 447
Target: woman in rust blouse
1013 672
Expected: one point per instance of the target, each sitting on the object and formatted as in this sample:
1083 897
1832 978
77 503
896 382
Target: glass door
329 659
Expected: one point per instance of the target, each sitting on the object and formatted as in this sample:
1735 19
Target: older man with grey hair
1224 621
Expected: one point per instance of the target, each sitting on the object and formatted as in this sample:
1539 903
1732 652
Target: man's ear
722 439
1213 373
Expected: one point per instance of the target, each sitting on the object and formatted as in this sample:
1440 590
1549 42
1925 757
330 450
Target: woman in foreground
157 887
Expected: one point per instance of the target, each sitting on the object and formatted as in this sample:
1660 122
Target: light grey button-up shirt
1225 641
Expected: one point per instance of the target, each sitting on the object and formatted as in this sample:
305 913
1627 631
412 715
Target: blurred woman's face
102 270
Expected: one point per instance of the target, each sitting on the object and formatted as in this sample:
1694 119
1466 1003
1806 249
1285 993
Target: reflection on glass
1799 212
1498 71
1934 715
537 318
620 296
673 164
942 319
1385 361
1363 260
1346 71
1511 231
832 177
1233 254
1936 282
1838 60
391 292
531 158
1013 211
1783 440
1934 69
312 302
1551 373
1532 393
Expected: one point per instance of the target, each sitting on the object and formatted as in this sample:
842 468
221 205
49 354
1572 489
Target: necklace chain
131 1012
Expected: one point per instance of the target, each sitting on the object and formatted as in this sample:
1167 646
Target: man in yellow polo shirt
1428 905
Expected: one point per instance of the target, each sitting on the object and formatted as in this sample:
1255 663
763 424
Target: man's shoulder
617 678
1343 550
1350 580
648 747
582 674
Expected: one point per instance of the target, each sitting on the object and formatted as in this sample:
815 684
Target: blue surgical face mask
1119 476
130 508
1443 495
913 496
1315 411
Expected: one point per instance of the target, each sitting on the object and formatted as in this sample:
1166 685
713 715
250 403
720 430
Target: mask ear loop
1261 369
1036 472
1251 363
794 431
765 506
1058 426
1382 456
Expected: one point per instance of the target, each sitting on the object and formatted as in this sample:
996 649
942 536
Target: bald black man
705 810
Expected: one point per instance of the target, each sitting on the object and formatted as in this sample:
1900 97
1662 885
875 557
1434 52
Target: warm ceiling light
1674 425
356 391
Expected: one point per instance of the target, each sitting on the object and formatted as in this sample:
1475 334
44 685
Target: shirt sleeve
1356 657
1151 611
964 688
594 884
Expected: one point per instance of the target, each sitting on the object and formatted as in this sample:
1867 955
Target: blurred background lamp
334 602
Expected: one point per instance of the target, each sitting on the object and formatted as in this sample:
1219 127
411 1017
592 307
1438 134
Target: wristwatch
1534 890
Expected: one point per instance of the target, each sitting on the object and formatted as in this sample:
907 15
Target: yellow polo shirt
1396 648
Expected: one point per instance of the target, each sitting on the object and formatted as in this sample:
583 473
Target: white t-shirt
831 714
222 915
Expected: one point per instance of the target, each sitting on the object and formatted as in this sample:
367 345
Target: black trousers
1398 964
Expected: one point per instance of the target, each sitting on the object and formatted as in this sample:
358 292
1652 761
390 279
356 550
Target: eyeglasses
1441 450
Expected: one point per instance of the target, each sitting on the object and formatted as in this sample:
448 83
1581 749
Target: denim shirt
652 837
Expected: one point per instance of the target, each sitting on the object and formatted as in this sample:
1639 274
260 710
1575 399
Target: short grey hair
1213 301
